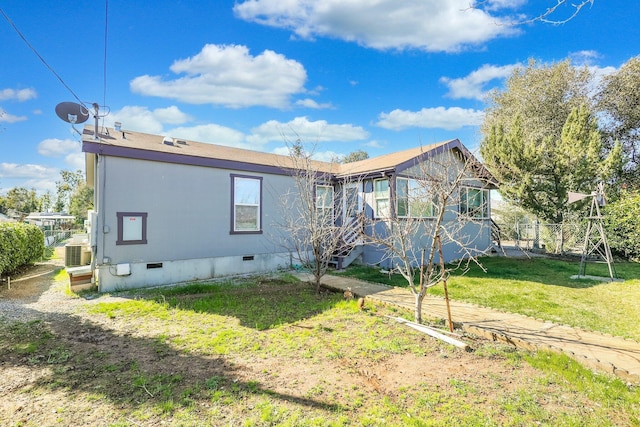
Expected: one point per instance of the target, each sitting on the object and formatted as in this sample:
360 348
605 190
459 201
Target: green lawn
542 288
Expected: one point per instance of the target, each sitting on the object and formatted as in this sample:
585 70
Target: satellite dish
72 113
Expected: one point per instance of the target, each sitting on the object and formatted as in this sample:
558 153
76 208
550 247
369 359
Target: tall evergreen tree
537 174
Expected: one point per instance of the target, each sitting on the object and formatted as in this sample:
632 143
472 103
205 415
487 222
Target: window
132 228
246 199
381 195
474 202
402 197
352 201
324 203
412 199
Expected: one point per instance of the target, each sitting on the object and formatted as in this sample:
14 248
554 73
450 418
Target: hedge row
20 244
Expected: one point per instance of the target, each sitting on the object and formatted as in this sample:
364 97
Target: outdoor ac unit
76 255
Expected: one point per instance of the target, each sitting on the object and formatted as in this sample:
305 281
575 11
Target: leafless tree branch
546 16
410 240
311 222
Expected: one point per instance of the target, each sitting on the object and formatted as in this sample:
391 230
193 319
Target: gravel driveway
36 294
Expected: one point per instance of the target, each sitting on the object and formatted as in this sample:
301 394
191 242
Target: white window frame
352 211
412 198
324 203
255 202
377 198
481 211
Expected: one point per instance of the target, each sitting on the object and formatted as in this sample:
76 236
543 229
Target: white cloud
54 147
141 119
430 25
10 118
440 117
473 85
305 130
22 171
171 115
503 4
584 57
41 178
273 130
229 76
211 133
75 161
19 95
374 144
588 58
310 103
326 156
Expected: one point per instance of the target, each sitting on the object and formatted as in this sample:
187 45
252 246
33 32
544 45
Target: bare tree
314 221
424 217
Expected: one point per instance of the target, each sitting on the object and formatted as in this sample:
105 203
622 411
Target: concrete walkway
593 349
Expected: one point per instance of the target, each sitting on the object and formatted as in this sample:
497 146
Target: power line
41 58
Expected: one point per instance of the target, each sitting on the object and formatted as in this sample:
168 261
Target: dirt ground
59 390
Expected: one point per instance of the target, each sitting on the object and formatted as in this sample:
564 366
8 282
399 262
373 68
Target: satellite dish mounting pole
96 117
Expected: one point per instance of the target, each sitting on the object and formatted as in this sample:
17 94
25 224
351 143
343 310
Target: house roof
396 161
144 146
49 216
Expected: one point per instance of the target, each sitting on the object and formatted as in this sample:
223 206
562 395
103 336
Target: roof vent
181 142
167 140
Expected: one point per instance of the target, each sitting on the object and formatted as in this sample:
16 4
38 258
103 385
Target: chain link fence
565 238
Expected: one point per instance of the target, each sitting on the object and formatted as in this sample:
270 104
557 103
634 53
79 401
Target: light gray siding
188 218
473 235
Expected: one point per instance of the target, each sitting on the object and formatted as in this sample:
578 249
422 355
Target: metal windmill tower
595 239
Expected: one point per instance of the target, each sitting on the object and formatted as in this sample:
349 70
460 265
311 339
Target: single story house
50 220
171 210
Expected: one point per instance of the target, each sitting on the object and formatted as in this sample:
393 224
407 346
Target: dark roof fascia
377 174
425 155
478 168
157 156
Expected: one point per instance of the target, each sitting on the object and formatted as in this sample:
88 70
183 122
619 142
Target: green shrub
622 219
20 244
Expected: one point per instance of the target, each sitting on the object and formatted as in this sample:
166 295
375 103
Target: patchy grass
274 352
542 288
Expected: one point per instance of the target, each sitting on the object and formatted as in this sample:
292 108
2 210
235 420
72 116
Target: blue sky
344 74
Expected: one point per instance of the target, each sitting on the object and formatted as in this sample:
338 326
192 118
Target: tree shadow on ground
135 374
260 304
